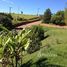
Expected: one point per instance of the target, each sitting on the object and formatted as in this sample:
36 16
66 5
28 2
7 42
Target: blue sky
32 6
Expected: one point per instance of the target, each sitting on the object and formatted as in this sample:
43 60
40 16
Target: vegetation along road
39 23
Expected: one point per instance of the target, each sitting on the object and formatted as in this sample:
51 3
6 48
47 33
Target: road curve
39 23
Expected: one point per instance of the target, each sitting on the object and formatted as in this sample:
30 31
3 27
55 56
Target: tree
21 12
47 16
65 16
58 18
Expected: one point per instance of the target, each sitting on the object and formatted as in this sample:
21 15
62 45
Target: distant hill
17 18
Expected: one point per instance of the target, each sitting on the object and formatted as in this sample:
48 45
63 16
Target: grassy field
23 16
53 52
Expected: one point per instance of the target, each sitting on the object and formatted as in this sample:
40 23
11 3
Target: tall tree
47 16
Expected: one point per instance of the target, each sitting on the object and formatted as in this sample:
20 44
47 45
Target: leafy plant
6 20
58 18
36 35
12 46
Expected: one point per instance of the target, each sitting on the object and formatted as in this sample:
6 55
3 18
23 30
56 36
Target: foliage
54 48
58 18
24 17
65 16
9 15
36 35
34 44
6 20
47 16
12 46
21 19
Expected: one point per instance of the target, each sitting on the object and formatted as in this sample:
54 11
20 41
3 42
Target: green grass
54 48
15 16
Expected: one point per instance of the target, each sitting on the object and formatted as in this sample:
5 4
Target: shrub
37 30
58 18
6 21
21 19
9 15
36 35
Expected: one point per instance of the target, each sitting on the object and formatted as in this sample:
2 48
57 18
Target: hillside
17 18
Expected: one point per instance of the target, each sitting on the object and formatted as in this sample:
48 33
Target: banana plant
12 46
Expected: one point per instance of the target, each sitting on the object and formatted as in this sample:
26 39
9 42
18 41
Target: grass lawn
15 16
53 52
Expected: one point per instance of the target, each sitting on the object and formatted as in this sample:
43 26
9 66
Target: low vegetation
6 20
18 18
36 35
59 18
14 44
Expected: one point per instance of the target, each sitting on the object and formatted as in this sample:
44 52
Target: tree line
59 18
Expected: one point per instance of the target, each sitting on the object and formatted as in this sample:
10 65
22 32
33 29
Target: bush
21 19
34 45
58 18
36 35
9 15
6 21
37 30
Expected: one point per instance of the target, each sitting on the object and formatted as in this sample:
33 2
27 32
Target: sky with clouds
32 6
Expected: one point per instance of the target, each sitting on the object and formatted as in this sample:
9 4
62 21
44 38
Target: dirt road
42 24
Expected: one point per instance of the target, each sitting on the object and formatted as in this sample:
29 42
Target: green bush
21 19
9 15
37 30
58 18
36 35
6 21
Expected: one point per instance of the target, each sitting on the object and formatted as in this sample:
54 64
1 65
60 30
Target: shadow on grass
28 64
42 62
46 36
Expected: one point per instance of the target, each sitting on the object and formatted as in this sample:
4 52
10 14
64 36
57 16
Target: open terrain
22 16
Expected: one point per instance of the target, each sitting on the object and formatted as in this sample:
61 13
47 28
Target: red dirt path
42 24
